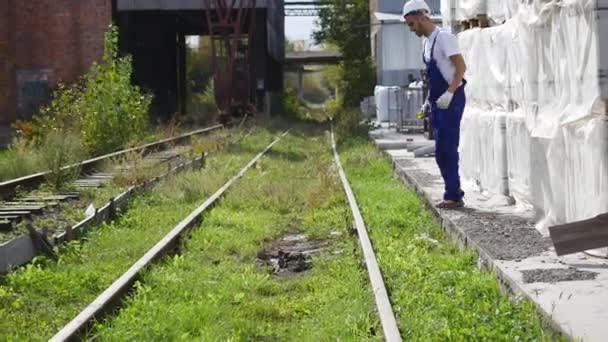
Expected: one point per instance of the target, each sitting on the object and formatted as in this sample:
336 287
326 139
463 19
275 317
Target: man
445 69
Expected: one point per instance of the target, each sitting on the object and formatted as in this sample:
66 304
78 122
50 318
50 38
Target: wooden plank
19 213
28 204
580 236
21 208
34 211
47 197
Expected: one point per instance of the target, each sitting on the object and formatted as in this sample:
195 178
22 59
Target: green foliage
314 86
19 160
218 277
346 25
291 106
358 79
198 66
107 110
425 271
116 112
37 300
349 125
59 149
202 108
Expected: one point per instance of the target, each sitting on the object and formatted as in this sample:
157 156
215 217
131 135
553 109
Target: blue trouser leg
447 139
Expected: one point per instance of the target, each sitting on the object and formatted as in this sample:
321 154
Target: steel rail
7 188
123 284
22 249
383 304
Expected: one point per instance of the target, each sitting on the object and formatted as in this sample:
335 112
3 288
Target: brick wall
6 60
56 39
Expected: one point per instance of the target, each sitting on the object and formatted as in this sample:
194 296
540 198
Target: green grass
438 292
35 301
218 291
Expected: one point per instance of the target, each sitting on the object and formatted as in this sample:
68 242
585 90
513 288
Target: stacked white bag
535 127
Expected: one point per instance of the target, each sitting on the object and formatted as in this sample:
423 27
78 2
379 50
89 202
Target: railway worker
445 69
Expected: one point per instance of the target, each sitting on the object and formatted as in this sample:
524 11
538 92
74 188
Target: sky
299 28
296 28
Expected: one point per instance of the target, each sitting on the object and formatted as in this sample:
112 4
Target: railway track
18 247
383 304
8 188
108 300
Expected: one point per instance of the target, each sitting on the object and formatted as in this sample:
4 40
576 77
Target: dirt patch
504 237
291 254
553 275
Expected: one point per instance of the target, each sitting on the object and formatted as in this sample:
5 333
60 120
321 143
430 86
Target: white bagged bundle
540 72
381 99
518 159
492 157
470 146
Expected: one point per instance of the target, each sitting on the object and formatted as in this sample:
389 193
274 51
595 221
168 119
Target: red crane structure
231 26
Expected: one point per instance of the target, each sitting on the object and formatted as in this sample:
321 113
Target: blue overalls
446 127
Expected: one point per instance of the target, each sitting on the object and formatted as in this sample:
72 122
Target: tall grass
55 151
19 160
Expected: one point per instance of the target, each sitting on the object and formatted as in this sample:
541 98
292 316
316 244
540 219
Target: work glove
444 101
426 107
424 110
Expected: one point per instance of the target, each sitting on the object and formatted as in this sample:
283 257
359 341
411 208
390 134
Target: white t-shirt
446 46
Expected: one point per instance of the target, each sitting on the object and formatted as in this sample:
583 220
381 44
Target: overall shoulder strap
433 46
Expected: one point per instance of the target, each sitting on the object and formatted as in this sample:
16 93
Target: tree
198 66
346 25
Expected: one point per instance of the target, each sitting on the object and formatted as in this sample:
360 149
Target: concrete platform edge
511 287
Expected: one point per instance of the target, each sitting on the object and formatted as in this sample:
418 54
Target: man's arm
461 68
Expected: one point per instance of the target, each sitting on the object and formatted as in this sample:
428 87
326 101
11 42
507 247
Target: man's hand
424 110
444 101
426 107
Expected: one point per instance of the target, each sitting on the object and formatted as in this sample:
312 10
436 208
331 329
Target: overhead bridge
297 61
312 57
154 32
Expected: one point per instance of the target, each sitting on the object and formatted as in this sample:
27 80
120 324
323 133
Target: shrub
19 160
291 104
348 124
202 109
57 150
104 107
115 111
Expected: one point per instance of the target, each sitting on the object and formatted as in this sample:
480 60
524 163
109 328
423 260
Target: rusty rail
110 297
7 188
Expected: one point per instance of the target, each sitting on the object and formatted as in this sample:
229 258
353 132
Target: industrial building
47 42
396 51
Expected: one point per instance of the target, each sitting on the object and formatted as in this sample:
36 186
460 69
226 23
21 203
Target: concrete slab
571 292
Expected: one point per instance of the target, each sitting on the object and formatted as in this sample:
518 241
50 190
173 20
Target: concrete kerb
485 261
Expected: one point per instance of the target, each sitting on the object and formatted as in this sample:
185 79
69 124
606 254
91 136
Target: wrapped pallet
539 73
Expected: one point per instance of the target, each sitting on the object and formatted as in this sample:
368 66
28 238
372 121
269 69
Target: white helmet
415 5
